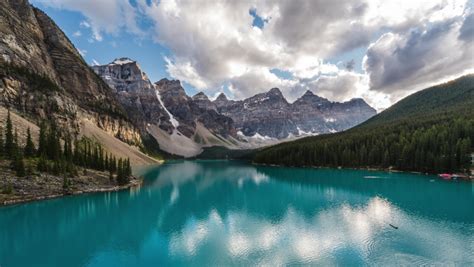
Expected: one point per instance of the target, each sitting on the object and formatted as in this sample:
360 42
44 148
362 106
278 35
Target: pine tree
119 171
43 140
106 161
9 142
77 158
30 146
111 175
54 145
2 144
128 168
19 165
16 145
42 164
68 154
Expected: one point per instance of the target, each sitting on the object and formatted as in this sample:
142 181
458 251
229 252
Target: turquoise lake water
230 213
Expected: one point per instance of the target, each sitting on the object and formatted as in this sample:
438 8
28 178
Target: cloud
77 34
95 62
466 33
82 52
104 16
398 63
217 45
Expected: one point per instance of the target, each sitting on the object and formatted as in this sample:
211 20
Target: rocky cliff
270 115
183 125
189 111
180 124
136 93
42 76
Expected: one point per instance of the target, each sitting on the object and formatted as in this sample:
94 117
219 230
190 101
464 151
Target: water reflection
223 213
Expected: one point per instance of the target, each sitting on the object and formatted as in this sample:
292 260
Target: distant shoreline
347 168
135 182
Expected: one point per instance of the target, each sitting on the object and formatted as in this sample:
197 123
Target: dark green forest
58 154
430 131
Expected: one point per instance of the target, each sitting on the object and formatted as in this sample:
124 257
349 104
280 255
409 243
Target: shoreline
135 182
361 168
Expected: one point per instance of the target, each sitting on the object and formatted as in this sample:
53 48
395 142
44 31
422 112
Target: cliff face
180 124
189 111
43 76
136 93
270 115
186 124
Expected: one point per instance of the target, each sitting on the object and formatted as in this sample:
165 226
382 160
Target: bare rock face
266 113
21 38
203 102
222 101
188 111
269 114
315 114
42 75
135 92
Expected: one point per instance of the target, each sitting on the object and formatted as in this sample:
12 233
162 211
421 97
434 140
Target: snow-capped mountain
183 125
163 110
270 115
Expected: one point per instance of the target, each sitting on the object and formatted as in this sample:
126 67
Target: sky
379 50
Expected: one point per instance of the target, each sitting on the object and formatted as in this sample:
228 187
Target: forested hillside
429 131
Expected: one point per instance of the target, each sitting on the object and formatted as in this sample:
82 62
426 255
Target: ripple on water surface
230 213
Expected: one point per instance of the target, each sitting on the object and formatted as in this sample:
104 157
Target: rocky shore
40 186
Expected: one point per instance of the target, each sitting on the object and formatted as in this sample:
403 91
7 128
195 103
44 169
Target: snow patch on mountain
173 121
122 61
330 119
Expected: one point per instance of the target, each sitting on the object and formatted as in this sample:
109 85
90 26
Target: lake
232 213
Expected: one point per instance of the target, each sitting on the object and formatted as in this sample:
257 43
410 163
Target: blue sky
149 54
378 50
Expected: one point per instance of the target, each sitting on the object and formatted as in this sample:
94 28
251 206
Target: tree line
444 146
58 154
429 131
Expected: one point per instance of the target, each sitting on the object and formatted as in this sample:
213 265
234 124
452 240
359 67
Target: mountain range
429 131
44 77
183 125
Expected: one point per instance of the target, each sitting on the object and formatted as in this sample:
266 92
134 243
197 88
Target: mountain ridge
43 77
429 131
199 122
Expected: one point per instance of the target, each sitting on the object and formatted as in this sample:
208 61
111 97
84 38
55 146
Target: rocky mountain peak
221 97
123 61
221 100
358 100
124 74
275 91
200 96
360 104
172 87
308 93
310 98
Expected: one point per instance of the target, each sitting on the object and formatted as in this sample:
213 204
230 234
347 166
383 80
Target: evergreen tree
111 175
2 144
43 140
68 154
54 146
29 149
19 165
42 165
106 161
9 141
128 168
120 175
16 145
